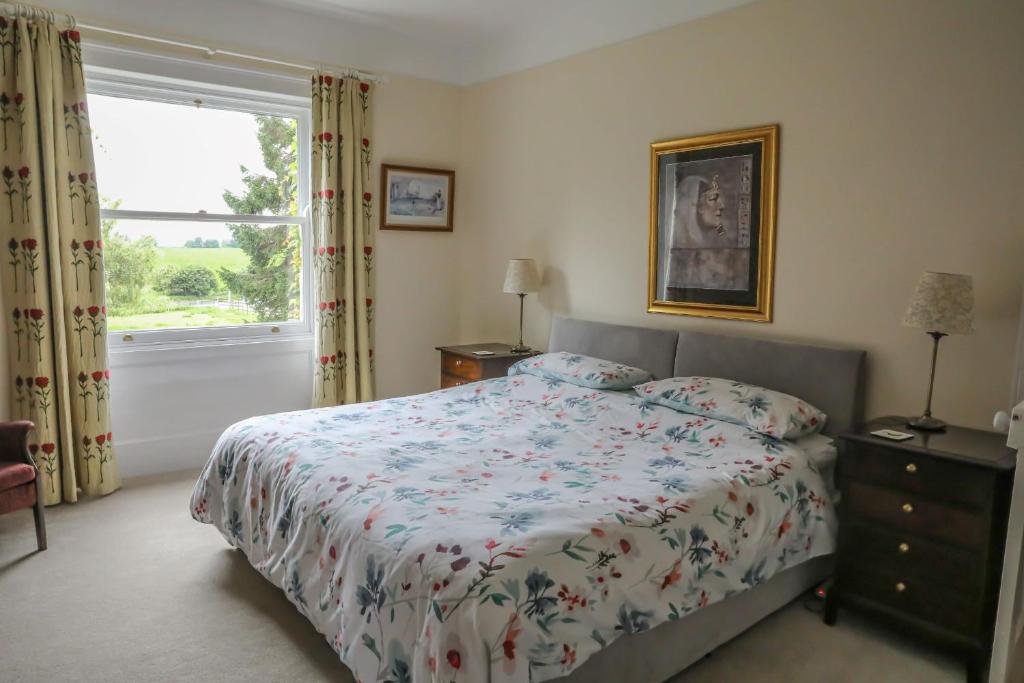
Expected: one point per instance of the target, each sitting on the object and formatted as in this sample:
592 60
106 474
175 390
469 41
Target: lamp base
520 348
926 423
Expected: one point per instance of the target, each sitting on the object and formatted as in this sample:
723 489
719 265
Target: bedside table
459 366
922 526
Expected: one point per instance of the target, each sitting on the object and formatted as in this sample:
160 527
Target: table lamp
521 278
942 304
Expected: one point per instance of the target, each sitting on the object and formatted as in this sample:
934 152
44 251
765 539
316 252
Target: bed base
666 650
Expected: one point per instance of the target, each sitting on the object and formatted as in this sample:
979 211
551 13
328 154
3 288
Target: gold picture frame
711 248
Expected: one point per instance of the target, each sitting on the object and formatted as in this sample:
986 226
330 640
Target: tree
129 263
195 281
270 281
211 244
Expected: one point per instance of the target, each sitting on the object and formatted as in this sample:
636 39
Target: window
204 234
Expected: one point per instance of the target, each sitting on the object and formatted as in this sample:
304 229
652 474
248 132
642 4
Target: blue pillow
581 370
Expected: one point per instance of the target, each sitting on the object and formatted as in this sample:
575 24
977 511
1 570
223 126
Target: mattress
510 529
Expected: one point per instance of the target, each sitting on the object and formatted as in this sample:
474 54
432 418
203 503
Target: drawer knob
904 548
458 361
900 587
911 468
908 508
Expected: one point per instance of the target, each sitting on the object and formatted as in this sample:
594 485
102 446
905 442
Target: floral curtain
342 206
53 276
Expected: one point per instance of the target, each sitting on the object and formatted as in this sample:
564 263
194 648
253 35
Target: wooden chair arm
14 442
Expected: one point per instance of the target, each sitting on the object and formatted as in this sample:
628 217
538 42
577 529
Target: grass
204 316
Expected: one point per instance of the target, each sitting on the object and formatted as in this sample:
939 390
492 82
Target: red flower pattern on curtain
342 208
53 279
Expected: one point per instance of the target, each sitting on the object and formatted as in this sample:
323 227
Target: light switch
1015 439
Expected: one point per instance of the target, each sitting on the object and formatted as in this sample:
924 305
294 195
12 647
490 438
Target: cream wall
416 122
901 150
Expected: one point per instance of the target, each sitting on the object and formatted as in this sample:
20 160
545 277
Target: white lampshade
521 277
942 302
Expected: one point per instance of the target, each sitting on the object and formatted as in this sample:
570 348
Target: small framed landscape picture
712 225
416 198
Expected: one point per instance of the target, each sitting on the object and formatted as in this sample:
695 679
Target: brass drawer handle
900 587
904 548
911 468
908 508
458 361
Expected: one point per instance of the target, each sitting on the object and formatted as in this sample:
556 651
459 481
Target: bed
526 529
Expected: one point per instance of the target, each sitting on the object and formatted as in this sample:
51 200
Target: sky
170 157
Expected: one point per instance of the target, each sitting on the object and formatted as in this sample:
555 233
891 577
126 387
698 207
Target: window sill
143 352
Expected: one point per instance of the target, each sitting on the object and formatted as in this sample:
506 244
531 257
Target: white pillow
763 410
581 370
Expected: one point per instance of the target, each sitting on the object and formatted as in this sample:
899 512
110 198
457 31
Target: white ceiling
484 39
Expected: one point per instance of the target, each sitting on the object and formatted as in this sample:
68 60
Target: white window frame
116 83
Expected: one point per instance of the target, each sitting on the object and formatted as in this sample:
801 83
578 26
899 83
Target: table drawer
458 366
915 597
906 471
865 546
448 381
921 516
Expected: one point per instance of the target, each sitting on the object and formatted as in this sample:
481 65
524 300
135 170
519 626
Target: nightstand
922 526
459 366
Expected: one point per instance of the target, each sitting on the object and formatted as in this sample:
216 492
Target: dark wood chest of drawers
459 366
922 530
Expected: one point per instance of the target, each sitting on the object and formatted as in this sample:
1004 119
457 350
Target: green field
231 258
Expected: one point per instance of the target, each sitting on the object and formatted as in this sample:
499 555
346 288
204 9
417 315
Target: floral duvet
506 530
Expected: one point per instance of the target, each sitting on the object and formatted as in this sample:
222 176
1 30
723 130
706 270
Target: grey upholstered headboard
651 350
830 379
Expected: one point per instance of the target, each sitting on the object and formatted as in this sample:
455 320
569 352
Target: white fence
220 302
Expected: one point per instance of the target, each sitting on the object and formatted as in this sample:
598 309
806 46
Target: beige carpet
132 589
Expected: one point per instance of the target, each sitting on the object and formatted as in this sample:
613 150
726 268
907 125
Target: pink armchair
20 484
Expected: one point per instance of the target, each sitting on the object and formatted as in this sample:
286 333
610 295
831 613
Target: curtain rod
30 12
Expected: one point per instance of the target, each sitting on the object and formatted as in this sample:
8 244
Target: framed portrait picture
712 231
416 198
